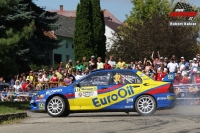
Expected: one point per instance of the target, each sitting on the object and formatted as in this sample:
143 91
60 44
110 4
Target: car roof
114 70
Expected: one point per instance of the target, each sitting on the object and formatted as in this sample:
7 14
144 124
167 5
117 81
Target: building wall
108 34
66 52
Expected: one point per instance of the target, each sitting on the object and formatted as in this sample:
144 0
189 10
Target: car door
122 97
92 88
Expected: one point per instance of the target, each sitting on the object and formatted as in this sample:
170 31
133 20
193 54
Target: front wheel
145 105
56 107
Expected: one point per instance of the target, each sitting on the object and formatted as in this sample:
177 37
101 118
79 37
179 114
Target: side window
126 78
99 78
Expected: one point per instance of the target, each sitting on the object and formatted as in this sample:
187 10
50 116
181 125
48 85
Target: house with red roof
111 22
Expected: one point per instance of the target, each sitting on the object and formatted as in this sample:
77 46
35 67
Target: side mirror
78 85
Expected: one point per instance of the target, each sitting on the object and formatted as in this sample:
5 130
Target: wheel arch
60 95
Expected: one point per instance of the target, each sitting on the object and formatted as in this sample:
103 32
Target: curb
7 117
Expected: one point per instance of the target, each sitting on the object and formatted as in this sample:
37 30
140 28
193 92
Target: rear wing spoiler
169 78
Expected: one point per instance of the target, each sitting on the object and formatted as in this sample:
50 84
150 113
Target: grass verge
13 107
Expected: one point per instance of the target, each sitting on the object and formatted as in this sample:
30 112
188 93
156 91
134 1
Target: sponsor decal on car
41 105
171 97
162 98
85 92
49 92
129 100
128 106
122 93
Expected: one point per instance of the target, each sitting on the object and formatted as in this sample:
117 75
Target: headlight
40 96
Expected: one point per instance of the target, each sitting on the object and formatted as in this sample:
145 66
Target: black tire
147 107
59 108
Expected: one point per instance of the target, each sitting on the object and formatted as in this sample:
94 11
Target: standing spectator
165 62
92 63
162 67
132 65
54 78
2 82
121 64
69 66
172 66
78 66
50 74
183 67
99 63
139 65
27 86
72 76
107 65
60 67
194 69
85 63
12 81
30 76
112 62
155 60
79 75
161 74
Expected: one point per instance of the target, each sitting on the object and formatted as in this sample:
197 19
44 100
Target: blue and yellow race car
108 90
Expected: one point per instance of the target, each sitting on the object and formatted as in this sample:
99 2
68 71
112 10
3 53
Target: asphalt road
181 119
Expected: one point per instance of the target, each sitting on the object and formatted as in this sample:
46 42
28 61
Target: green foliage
89 38
83 31
137 40
98 29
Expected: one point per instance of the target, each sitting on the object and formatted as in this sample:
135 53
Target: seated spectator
54 78
99 63
17 86
107 65
67 80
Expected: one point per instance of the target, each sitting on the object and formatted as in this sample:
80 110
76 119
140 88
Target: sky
119 8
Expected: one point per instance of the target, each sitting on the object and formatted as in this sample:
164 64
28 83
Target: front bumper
37 104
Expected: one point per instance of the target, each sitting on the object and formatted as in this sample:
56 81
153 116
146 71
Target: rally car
108 90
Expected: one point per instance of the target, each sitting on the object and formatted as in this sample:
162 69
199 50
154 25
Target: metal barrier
46 85
188 93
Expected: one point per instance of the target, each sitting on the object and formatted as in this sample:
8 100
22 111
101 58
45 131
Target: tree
16 27
83 39
137 40
39 44
98 29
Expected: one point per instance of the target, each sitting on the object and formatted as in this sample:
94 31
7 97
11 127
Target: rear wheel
145 105
57 107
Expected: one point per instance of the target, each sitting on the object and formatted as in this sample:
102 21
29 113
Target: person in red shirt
178 78
185 79
106 65
161 74
54 78
26 86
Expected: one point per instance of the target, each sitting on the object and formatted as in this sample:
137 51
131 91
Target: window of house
67 58
57 58
67 45
72 45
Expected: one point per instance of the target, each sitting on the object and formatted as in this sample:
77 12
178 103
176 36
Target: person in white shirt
17 86
172 66
99 63
112 62
79 75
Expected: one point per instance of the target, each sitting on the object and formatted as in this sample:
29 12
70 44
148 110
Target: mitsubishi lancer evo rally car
108 90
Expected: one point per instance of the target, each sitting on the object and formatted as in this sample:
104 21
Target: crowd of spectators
187 72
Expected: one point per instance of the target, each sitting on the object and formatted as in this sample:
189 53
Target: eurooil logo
184 10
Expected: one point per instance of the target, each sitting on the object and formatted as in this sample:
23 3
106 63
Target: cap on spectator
92 56
70 60
161 58
31 71
194 58
198 72
139 61
166 58
179 72
182 57
190 61
27 79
